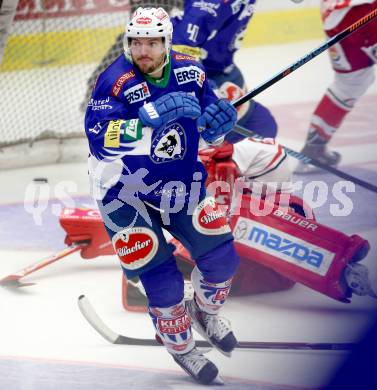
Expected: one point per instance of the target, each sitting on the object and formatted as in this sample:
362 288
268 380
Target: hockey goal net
51 52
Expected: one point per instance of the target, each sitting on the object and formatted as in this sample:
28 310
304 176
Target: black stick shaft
307 160
97 323
276 345
296 346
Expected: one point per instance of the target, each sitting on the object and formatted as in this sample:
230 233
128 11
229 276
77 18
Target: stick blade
10 278
13 281
95 321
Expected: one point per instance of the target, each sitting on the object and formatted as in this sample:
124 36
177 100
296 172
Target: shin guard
210 297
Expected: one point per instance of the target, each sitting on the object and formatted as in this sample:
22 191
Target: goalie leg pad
300 249
254 278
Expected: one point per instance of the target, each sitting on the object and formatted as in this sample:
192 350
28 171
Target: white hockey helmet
148 23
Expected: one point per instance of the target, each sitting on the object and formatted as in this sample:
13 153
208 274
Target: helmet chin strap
166 61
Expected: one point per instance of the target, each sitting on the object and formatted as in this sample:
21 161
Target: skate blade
218 381
199 329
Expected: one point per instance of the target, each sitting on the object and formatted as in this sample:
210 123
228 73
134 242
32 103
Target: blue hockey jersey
127 157
217 27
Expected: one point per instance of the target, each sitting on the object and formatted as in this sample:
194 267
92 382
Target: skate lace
194 360
217 326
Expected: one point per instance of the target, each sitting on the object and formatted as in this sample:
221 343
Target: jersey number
193 31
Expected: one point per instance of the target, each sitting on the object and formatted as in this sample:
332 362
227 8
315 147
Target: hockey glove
169 107
217 120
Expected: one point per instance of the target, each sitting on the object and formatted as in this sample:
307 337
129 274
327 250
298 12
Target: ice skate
198 366
320 153
213 328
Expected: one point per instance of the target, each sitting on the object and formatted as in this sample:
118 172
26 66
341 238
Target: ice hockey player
213 31
263 167
353 61
142 102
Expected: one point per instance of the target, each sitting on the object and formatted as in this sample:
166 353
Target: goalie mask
149 23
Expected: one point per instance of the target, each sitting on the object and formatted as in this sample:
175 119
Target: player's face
148 53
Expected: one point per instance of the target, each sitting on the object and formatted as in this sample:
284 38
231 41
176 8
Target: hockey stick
308 160
308 57
96 322
14 278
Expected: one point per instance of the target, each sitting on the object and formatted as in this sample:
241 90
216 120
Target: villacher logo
135 247
209 217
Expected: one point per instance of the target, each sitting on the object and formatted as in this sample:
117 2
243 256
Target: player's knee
220 264
163 284
349 87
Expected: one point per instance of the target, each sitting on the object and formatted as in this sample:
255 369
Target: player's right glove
217 120
169 107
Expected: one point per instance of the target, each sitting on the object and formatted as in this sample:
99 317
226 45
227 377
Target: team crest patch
210 217
135 247
170 145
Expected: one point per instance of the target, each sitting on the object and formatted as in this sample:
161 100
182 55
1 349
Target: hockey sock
173 326
210 297
327 118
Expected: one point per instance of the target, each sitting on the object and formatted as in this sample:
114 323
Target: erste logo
137 93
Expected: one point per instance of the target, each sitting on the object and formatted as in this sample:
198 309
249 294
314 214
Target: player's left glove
217 120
